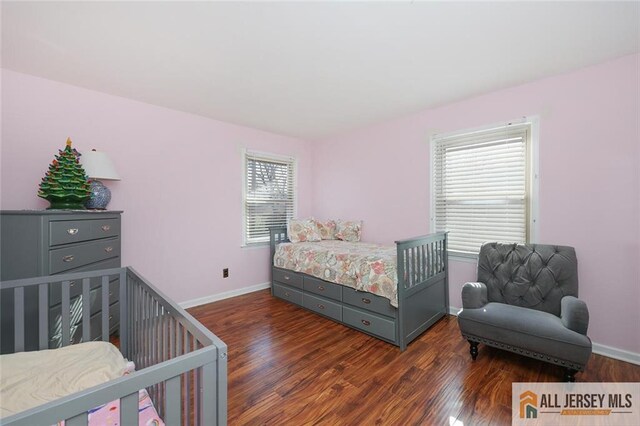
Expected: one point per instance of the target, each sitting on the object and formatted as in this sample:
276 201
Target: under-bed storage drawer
287 277
323 288
368 301
371 323
287 293
322 306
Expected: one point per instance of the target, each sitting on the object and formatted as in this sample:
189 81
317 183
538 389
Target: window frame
268 157
532 169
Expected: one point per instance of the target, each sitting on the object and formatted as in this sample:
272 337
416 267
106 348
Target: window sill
463 258
253 246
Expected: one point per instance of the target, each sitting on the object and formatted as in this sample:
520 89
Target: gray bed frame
423 290
182 365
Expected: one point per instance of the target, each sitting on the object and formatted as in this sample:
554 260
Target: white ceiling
309 70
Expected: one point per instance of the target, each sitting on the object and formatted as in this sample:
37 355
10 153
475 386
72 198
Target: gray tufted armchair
525 301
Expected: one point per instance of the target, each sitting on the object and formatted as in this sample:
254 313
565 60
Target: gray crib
181 364
423 292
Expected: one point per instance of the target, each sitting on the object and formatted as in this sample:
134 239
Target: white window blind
481 183
269 194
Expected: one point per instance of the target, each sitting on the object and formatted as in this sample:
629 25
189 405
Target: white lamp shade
98 165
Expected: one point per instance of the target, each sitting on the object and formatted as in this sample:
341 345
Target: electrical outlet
225 273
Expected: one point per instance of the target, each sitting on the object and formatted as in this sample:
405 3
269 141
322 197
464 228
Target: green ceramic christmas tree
65 185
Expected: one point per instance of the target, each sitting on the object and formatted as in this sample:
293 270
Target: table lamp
98 166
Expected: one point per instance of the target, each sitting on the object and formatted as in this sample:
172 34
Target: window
482 186
269 194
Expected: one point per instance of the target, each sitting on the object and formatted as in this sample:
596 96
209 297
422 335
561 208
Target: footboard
423 284
180 363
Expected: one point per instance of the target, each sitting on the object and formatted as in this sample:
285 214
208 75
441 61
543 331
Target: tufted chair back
534 276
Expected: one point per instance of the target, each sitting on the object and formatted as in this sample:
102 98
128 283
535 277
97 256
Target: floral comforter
363 266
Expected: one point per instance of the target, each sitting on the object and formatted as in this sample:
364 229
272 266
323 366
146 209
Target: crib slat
208 388
81 419
147 329
129 409
172 414
197 393
43 316
86 310
166 324
187 380
172 338
124 320
18 319
66 312
105 308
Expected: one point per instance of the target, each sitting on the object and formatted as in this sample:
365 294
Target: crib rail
178 361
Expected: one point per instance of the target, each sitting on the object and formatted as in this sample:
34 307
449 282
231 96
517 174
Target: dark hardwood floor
288 366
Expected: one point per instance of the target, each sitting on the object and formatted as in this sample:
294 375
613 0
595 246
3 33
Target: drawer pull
72 231
367 323
105 228
68 258
110 293
321 288
72 283
320 306
110 317
286 277
108 249
366 301
286 293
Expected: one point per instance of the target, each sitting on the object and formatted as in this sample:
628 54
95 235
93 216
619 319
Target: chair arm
574 314
474 295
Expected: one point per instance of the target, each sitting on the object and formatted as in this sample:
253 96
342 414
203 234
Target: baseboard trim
619 354
224 295
604 350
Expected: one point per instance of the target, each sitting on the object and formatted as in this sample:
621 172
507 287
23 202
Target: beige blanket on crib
29 379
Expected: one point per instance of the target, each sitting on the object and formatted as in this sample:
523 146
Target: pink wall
589 181
181 188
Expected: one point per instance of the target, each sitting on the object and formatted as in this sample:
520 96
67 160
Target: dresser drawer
287 277
104 228
95 322
66 258
55 290
287 293
371 323
368 301
323 288
69 231
322 306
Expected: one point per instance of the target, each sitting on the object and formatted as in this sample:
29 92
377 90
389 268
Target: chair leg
473 350
570 375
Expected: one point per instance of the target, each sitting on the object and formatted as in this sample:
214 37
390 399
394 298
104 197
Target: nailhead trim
530 354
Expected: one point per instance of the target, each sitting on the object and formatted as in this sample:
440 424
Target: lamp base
100 196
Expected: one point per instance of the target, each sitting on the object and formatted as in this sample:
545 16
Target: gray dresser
49 242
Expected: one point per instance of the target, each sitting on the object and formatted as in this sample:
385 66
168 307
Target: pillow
348 230
327 229
303 230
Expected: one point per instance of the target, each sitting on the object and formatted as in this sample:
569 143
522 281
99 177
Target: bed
180 370
391 293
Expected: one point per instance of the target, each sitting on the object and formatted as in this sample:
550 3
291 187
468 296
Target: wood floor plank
288 366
